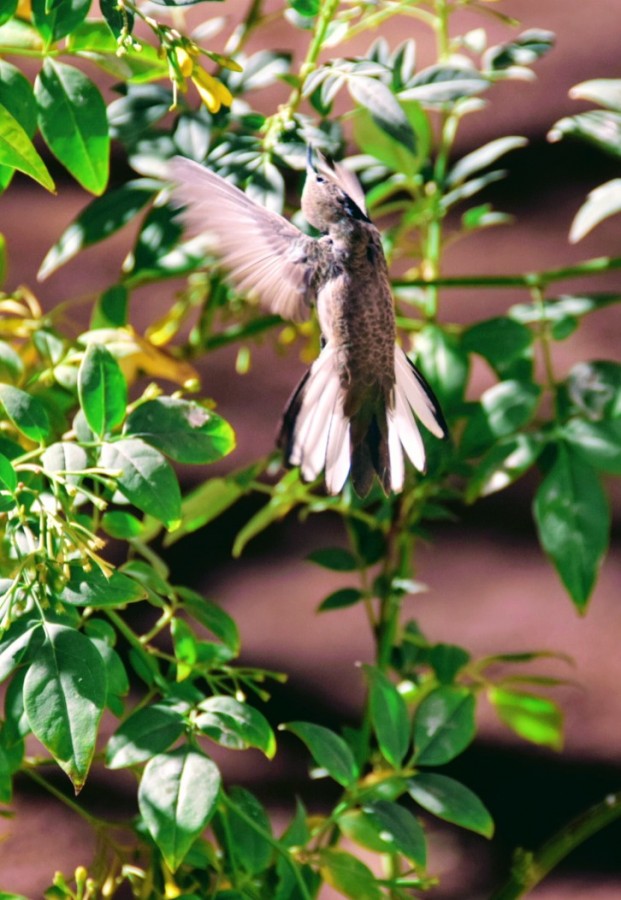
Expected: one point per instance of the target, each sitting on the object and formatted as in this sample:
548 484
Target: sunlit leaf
604 201
18 152
534 718
182 429
144 477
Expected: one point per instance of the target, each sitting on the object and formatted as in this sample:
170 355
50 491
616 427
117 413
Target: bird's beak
310 160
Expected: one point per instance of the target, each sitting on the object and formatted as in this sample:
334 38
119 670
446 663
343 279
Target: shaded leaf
341 599
102 389
235 725
177 797
449 800
64 697
335 558
389 717
93 588
54 21
573 522
252 851
144 734
348 875
26 412
399 830
144 477
443 725
329 751
524 50
597 443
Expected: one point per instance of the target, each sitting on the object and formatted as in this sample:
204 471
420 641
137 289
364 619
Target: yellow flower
212 92
184 61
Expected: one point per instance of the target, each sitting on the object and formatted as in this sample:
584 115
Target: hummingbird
355 410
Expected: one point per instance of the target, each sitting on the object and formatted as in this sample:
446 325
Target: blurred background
490 588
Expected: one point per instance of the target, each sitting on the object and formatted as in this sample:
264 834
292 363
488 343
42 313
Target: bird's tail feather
317 435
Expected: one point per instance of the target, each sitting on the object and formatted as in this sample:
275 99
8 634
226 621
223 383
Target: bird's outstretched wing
264 254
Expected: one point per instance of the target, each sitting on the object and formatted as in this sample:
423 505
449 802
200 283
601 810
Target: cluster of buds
183 62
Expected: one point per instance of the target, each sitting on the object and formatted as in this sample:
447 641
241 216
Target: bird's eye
319 179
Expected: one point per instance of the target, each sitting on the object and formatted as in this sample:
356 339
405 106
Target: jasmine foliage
89 445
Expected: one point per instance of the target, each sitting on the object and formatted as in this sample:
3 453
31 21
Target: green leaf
444 84
8 475
573 521
594 389
503 464
18 152
306 8
93 588
524 50
447 661
481 158
204 504
335 558
182 429
399 829
185 646
119 21
8 10
143 735
145 478
599 127
341 599
66 458
605 91
26 412
121 525
597 443
54 22
235 725
212 617
64 697
536 719
443 363
94 41
375 141
348 875
177 797
501 341
389 717
111 308
449 800
378 99
72 119
102 389
251 851
329 751
15 643
602 202
504 408
17 97
11 365
101 218
443 725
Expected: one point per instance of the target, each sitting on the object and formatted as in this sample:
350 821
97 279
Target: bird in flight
354 412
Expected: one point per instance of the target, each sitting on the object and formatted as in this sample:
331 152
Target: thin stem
531 868
250 822
546 348
596 266
370 21
243 31
71 804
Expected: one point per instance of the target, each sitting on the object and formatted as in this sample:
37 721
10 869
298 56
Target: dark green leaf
597 443
15 643
72 119
64 697
375 141
503 464
348 875
306 8
501 341
26 412
182 429
524 50
251 851
573 521
121 21
504 408
444 364
212 617
145 478
235 725
144 734
97 221
93 588
8 475
53 23
18 152
177 797
329 751
536 719
341 599
111 308
399 829
8 10
121 525
443 725
594 388
389 717
335 558
449 800
447 661
102 389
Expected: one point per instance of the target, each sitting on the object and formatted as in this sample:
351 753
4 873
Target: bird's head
332 194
